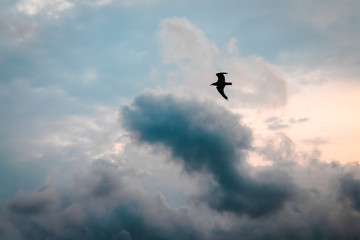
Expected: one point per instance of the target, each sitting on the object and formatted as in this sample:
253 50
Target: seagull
220 84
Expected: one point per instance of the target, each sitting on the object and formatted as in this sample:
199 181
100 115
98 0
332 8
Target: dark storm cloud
205 137
319 212
350 189
97 206
102 201
120 212
313 230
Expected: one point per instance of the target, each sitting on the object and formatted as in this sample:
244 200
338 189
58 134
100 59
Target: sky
110 129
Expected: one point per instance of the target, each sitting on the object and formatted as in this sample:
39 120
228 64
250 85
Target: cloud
46 7
256 82
278 149
277 126
350 189
331 37
320 212
181 40
48 131
125 211
16 29
299 120
266 203
328 15
31 203
275 123
207 138
97 2
41 121
107 199
316 141
99 204
126 3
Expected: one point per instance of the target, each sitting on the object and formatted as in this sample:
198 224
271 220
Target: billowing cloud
99 205
107 199
325 209
256 82
60 91
181 40
288 210
207 138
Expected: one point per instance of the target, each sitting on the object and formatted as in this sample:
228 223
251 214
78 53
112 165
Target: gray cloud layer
206 138
99 205
102 202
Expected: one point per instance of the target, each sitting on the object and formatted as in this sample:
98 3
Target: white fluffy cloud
255 81
46 7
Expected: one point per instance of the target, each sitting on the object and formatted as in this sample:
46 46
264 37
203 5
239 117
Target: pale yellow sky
332 109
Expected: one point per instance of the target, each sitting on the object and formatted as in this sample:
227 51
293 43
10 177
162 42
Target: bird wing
221 91
221 77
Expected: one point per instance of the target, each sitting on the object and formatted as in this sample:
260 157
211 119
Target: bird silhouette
220 84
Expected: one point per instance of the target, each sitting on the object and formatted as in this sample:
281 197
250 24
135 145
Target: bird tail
228 83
